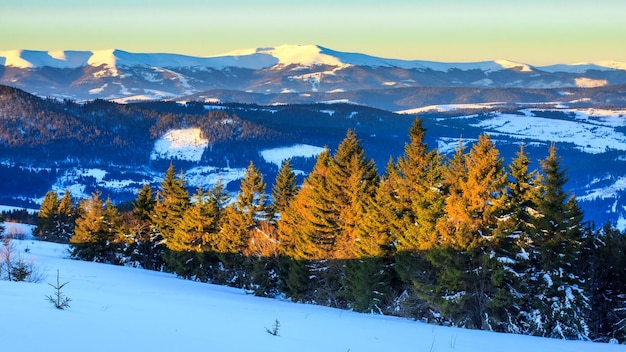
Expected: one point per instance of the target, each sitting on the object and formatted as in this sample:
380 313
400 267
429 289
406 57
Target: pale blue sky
532 31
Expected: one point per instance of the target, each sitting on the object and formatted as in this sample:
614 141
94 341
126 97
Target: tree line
465 240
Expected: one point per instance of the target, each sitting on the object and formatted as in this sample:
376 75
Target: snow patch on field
449 107
207 176
278 155
17 230
610 191
592 136
182 144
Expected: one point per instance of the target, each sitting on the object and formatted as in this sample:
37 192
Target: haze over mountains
287 69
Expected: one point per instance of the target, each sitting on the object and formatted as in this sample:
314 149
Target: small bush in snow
58 299
274 330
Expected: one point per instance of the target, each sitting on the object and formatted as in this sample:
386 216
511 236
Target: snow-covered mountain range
303 69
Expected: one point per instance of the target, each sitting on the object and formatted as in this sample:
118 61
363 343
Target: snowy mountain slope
301 55
155 311
118 74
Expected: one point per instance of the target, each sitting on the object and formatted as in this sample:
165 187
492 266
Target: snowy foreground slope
125 309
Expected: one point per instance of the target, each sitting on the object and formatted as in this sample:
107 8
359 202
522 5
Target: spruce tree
98 234
467 266
242 223
306 234
47 217
66 217
245 214
419 193
251 197
171 202
559 304
191 236
145 246
352 181
284 190
56 217
515 244
607 285
308 228
369 275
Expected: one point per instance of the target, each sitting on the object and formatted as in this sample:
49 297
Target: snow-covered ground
278 155
18 230
125 309
449 107
183 144
591 131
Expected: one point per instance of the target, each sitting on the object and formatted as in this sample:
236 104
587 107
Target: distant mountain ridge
302 69
303 55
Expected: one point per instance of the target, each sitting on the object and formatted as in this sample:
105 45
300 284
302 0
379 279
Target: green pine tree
284 190
558 303
468 268
145 244
171 202
607 285
98 234
47 217
191 237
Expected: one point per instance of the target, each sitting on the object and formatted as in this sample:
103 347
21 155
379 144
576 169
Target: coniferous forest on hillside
465 241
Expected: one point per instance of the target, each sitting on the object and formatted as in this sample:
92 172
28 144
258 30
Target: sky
537 32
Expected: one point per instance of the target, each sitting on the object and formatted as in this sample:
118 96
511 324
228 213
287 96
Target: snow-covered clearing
18 230
125 309
449 107
183 144
591 135
278 155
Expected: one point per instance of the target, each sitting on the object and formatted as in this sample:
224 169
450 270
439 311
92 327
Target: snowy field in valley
183 144
125 309
589 133
278 155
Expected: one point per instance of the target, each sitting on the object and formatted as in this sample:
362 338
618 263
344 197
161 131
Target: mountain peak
293 54
512 65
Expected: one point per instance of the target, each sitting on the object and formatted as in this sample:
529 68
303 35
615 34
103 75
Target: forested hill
44 143
406 98
48 130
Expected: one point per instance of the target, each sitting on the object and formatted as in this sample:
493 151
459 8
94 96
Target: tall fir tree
47 216
607 285
467 267
417 182
514 232
284 190
190 239
308 227
419 193
559 304
66 220
306 234
145 246
352 181
245 215
370 274
171 202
